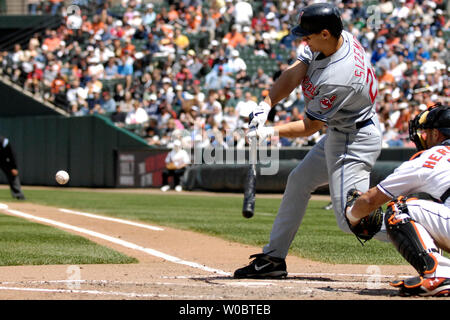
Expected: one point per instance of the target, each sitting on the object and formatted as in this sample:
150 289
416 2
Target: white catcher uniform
429 173
339 90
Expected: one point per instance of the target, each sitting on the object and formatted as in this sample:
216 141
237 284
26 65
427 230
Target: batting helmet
435 117
317 17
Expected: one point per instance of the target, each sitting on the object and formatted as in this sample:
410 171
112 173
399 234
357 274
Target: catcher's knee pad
404 234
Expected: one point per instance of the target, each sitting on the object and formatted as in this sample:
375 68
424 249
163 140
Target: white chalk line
123 243
109 293
122 221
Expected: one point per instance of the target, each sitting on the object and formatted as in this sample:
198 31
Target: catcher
419 229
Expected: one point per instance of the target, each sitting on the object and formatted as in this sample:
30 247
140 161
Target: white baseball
62 177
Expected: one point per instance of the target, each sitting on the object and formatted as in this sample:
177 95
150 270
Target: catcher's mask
435 117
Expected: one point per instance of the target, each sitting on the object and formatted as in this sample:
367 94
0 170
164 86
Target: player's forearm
286 83
368 202
301 128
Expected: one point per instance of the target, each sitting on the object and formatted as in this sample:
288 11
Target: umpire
9 166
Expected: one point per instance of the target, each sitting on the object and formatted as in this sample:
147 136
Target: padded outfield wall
86 147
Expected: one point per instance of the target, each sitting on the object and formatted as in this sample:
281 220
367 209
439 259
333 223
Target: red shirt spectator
260 22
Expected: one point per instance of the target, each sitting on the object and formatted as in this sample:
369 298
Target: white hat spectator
139 55
403 105
150 5
153 97
214 43
235 53
270 16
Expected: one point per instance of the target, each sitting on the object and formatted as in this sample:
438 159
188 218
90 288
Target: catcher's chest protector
410 238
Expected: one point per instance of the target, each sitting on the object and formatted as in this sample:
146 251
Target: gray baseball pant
341 159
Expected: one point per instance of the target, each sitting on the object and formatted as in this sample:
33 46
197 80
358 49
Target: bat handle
253 156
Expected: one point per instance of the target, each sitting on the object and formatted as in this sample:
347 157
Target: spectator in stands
56 6
216 80
180 40
125 69
111 70
409 45
137 115
118 116
243 13
244 107
234 37
52 41
33 6
243 80
236 63
259 23
119 92
261 80
107 102
127 104
149 15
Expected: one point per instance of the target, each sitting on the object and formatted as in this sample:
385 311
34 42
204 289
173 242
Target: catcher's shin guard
405 234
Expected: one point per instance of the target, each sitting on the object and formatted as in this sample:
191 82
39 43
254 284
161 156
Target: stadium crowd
176 69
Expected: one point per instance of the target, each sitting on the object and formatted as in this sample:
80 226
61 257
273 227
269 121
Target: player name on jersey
437 156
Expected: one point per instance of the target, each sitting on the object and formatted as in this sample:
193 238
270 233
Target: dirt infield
178 265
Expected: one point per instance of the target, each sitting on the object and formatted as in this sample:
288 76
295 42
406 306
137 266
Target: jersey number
373 90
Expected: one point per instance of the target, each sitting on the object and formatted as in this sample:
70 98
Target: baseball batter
418 228
340 88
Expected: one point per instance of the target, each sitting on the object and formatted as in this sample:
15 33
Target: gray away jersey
340 89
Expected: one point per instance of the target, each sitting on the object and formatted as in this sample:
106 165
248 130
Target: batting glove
260 114
261 132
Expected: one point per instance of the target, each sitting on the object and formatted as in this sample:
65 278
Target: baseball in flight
62 177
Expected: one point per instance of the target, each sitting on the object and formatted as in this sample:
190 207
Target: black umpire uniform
9 166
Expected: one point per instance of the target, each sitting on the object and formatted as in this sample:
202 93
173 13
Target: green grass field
26 243
319 238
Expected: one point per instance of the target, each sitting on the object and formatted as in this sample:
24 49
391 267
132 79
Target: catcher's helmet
317 17
435 117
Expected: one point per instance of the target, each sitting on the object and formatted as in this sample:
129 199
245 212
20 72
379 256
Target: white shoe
165 188
178 188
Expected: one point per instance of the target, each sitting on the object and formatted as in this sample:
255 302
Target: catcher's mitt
369 225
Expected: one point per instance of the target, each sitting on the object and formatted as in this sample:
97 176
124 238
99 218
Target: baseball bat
248 207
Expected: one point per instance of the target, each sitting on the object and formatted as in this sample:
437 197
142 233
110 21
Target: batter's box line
111 293
101 282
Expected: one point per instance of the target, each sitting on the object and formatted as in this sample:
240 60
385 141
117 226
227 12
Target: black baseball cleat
263 267
417 286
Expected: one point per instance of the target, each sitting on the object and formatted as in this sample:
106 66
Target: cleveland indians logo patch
327 103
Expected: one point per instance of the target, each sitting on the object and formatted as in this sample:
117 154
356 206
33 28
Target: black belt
364 123
445 196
